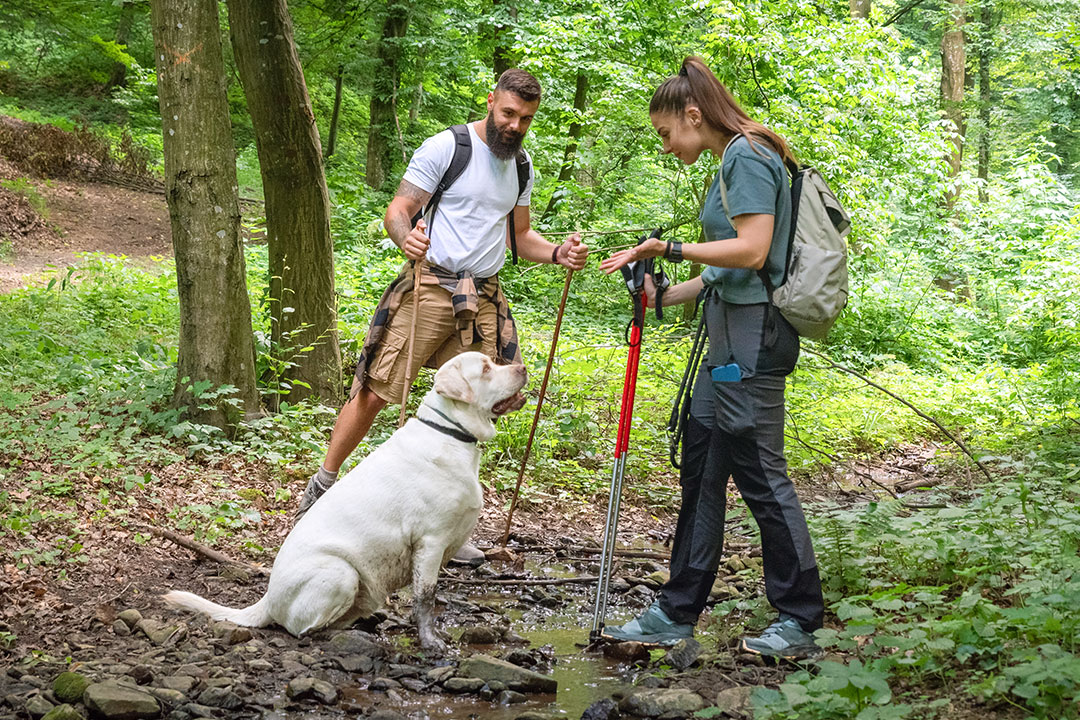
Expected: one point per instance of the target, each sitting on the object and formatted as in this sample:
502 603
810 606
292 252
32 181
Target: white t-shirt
469 230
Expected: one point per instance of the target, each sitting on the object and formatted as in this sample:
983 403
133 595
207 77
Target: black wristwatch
673 251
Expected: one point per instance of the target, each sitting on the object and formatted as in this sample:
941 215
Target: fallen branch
206 552
957 441
523 581
906 485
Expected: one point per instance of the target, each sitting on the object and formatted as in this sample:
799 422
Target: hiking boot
786 639
653 627
319 483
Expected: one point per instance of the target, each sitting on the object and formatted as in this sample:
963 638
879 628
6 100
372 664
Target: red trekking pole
635 280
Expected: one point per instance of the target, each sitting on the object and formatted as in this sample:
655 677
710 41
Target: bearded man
458 252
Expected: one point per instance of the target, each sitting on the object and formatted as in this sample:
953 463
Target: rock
656 579
34 681
196 710
38 706
510 697
516 678
735 564
627 651
220 697
385 715
619 585
480 635
171 698
141 674
384 683
606 709
684 654
521 658
180 683
260 666
230 632
309 687
538 715
355 663
159 633
68 687
112 701
735 700
721 590
441 674
654 703
195 671
399 670
62 712
464 685
414 684
131 617
121 628
355 642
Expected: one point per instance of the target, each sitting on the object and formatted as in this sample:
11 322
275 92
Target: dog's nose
521 371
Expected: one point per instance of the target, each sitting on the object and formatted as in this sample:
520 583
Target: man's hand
416 242
573 253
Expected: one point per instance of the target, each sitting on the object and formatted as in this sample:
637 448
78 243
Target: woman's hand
653 247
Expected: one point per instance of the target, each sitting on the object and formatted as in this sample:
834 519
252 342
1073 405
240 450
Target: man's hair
521 83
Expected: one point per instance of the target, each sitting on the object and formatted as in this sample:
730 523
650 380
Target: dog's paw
435 643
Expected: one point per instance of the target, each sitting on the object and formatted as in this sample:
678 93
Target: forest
165 397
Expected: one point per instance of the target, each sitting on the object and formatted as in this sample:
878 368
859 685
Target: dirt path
77 217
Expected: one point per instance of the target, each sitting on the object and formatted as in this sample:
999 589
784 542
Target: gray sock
325 478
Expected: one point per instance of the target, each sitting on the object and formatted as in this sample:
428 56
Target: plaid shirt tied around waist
466 292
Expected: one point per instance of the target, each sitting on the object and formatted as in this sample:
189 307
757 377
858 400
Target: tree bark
859 8
383 107
302 305
952 87
503 56
118 78
337 110
986 48
581 92
216 344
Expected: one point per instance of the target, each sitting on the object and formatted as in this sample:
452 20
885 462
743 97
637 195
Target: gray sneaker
786 639
653 627
319 483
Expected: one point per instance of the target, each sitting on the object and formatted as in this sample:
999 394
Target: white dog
394 519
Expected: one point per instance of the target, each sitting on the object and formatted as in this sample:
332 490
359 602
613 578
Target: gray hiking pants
736 430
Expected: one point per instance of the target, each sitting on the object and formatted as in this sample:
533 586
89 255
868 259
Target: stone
619 585
510 697
121 628
260 666
220 697
400 670
656 579
172 698
312 688
355 642
684 654
441 674
627 652
516 678
721 590
160 633
538 715
414 684
231 633
385 715
464 685
384 683
654 703
480 635
141 674
112 701
196 710
355 663
606 709
68 687
37 706
62 712
180 683
131 617
735 700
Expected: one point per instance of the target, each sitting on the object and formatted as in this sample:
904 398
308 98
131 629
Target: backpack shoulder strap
523 171
458 162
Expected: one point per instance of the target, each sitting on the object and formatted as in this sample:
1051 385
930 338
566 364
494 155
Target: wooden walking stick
539 404
416 268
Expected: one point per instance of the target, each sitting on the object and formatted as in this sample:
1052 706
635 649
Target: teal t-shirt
757 183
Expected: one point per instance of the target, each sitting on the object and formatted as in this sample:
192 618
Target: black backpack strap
523 167
458 162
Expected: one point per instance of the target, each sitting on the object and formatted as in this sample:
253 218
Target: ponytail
697 85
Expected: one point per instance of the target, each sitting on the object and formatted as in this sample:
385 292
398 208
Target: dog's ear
450 382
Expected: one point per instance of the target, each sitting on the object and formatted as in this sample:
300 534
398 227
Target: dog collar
457 432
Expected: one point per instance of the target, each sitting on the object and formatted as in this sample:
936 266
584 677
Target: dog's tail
257 615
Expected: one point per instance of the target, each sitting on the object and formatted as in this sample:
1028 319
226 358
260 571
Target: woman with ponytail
736 424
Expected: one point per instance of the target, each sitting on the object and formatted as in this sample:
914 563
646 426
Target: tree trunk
581 92
118 78
216 344
302 305
503 56
337 110
383 108
986 48
952 87
859 8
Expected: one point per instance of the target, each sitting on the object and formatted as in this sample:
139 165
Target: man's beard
503 145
